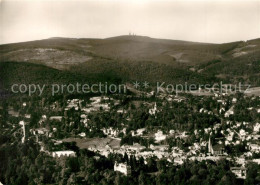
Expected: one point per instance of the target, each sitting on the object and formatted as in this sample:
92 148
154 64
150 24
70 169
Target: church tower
210 149
22 123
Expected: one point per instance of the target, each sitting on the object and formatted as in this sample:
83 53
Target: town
148 129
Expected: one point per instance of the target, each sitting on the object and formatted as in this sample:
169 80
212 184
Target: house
217 149
160 154
241 161
28 116
257 127
240 172
162 148
242 134
96 104
178 99
110 131
184 134
82 134
83 116
138 132
95 99
56 118
220 101
12 112
256 161
123 168
43 119
254 147
178 161
66 153
159 136
229 112
40 131
136 147
74 103
120 111
207 130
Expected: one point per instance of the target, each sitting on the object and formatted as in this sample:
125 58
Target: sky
211 21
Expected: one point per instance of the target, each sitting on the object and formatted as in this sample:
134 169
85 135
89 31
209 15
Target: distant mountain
125 58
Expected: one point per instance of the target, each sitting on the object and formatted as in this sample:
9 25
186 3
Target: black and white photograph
129 92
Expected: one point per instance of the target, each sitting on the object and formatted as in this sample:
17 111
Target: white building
240 172
159 136
123 168
56 118
138 132
22 123
66 153
229 112
257 127
110 132
154 110
82 134
254 147
28 116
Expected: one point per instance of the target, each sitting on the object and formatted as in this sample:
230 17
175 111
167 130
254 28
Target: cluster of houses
97 105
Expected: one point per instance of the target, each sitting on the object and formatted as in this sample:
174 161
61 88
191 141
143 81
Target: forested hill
126 58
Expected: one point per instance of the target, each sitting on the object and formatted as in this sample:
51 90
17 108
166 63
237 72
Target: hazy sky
215 21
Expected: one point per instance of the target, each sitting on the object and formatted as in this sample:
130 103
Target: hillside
58 52
125 58
28 73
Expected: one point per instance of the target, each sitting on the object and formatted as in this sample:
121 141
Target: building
229 112
240 172
56 118
217 149
256 161
110 132
178 161
254 147
40 133
22 123
138 132
210 148
159 136
154 110
67 153
123 168
257 127
234 100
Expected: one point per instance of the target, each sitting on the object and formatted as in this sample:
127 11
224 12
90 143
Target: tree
253 175
141 178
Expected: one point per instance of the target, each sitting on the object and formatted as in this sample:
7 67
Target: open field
253 91
83 143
